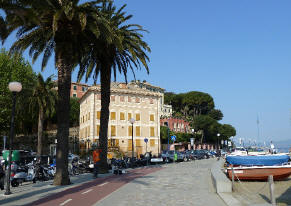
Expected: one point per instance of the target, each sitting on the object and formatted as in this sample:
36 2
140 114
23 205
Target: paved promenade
186 183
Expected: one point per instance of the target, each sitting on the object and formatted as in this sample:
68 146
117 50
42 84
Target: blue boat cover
266 160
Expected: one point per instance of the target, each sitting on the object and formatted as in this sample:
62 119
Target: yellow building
138 100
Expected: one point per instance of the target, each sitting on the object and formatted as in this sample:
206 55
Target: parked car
191 154
201 154
168 156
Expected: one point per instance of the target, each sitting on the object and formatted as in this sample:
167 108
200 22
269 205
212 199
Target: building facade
127 101
167 111
78 89
176 125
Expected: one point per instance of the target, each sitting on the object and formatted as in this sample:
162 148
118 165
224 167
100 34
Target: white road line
105 183
68 200
86 191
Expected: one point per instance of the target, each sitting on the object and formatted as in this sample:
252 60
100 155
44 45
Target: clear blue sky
237 51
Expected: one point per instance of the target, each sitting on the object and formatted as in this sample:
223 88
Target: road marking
68 200
105 183
87 191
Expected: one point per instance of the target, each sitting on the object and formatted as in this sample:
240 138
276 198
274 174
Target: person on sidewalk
96 160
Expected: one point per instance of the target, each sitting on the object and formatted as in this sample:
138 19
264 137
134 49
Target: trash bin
15 155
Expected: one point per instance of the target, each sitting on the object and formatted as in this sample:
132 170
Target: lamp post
218 135
192 142
132 120
14 87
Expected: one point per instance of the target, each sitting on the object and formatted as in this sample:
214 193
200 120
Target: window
112 98
138 143
89 116
152 117
151 101
122 99
114 142
97 130
113 131
137 100
74 95
129 116
122 116
129 130
129 146
137 131
129 99
137 117
83 89
152 142
75 87
98 113
99 96
112 115
152 132
88 131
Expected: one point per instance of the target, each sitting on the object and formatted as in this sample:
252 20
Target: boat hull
259 173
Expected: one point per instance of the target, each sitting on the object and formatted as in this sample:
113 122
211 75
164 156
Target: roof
130 88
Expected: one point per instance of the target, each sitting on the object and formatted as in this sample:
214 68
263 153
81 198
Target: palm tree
122 49
57 27
43 98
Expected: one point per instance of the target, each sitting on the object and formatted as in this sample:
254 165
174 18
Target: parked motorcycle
2 175
22 174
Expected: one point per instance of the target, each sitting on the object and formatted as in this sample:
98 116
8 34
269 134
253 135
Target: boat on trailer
258 172
263 160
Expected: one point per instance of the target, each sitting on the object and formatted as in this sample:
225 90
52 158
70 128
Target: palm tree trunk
63 109
105 102
40 131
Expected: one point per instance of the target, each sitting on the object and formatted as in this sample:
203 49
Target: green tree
216 114
62 28
227 131
15 68
124 50
203 123
43 98
199 103
74 112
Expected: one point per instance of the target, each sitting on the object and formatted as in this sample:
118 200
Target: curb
223 185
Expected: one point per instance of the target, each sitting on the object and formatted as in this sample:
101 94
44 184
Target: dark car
168 156
201 154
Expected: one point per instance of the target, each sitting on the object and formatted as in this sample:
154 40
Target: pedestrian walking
96 160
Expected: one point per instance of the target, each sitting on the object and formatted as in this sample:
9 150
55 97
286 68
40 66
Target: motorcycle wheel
14 183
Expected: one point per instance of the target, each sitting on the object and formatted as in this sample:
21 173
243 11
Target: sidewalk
186 183
30 192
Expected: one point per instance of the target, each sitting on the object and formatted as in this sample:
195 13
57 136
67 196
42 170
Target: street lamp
14 87
192 141
218 135
132 120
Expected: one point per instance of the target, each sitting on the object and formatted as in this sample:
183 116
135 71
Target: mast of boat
258 122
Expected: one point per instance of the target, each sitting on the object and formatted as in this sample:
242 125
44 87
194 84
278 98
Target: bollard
271 187
232 178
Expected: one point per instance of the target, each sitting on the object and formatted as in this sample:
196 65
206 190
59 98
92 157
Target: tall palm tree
43 98
123 48
57 27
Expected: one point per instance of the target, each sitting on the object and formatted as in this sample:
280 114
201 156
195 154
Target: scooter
2 175
23 174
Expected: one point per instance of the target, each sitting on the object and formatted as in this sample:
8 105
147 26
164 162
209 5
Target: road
186 183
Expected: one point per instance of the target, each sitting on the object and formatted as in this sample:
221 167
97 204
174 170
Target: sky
237 51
